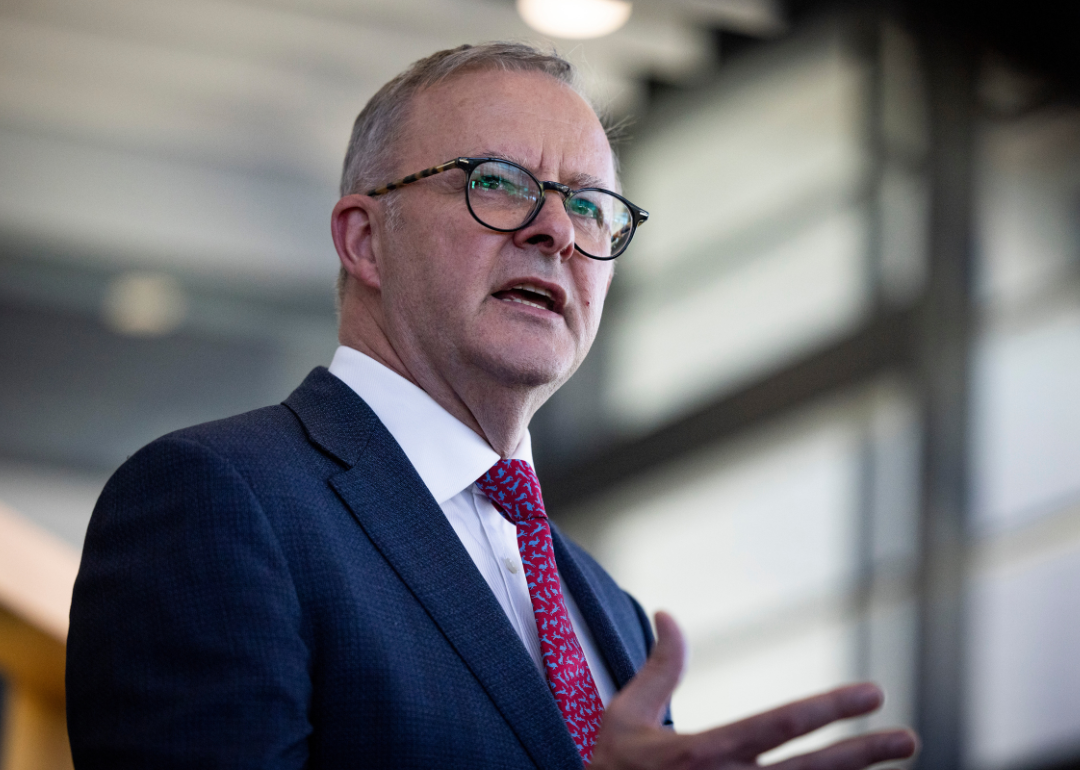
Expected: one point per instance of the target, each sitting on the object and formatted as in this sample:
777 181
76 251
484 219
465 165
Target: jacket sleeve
186 644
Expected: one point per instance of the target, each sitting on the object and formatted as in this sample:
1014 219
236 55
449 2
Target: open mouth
529 294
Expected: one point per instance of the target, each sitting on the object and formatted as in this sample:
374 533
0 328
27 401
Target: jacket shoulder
258 431
322 414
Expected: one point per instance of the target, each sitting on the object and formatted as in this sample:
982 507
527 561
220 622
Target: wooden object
37 572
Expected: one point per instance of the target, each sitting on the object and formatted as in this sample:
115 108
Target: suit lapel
399 516
596 614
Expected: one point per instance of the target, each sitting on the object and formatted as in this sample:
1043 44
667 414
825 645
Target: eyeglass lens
503 196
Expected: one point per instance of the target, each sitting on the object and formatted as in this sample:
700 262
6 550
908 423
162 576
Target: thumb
646 696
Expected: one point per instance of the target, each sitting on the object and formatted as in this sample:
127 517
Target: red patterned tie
514 489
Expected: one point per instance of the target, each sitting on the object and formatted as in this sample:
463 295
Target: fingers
757 734
856 753
645 698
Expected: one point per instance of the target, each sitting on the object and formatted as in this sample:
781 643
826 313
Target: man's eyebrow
501 156
576 181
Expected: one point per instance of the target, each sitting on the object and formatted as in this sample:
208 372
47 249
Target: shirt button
511 565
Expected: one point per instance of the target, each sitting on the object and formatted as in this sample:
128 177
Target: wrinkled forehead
531 117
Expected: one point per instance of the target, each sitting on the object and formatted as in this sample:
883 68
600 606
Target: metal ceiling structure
205 137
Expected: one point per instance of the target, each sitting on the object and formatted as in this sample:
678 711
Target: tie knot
513 487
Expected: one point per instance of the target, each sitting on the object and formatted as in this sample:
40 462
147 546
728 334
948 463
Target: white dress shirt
449 457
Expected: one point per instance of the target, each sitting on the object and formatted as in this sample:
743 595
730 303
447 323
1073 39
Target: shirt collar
447 454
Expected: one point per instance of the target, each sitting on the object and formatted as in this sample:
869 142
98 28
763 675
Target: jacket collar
336 420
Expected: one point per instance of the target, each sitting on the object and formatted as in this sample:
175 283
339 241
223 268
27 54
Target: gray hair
371 158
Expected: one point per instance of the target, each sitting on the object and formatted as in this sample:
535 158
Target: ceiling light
144 304
574 19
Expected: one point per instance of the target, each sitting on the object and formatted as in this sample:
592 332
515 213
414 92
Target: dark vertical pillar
944 331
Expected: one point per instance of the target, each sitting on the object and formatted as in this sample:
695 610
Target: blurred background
830 421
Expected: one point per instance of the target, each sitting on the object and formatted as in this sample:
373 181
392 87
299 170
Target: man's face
448 283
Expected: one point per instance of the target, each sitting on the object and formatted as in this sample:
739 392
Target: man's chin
522 368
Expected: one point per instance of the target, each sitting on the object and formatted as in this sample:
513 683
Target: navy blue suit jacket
280 590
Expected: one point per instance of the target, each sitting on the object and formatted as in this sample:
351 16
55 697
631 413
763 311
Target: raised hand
631 737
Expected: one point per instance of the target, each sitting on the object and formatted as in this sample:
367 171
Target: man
364 575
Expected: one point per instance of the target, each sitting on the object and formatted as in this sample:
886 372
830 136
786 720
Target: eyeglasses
505 197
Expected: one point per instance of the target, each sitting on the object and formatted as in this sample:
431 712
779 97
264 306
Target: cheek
450 262
417 260
594 285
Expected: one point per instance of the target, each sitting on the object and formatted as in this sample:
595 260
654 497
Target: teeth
526 302
535 289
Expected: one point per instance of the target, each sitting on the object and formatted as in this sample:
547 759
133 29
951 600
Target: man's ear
355 225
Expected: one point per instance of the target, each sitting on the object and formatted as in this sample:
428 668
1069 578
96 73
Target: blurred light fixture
574 19
144 304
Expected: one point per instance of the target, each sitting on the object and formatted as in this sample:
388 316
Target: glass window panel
719 690
903 210
756 248
755 547
1023 697
768 137
741 533
885 654
1028 228
668 353
1026 420
894 444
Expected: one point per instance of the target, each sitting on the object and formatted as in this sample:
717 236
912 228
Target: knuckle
725 747
694 754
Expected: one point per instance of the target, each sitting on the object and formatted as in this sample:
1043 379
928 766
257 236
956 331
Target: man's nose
551 231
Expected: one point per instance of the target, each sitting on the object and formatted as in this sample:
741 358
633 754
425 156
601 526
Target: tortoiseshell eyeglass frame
468 165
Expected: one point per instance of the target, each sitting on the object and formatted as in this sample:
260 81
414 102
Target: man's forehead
570 177
492 113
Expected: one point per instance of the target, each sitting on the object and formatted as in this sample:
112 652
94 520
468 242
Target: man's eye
489 182
584 208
